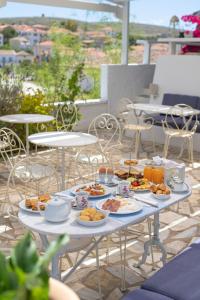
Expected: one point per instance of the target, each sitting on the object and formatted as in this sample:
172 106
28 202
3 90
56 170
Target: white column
125 32
147 52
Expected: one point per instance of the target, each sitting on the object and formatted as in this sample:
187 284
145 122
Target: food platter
160 191
30 204
139 184
129 162
127 206
23 207
84 187
91 217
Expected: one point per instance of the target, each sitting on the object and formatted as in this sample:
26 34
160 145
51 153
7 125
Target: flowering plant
194 20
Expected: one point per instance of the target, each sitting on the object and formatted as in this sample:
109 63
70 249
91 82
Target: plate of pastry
160 191
94 190
30 204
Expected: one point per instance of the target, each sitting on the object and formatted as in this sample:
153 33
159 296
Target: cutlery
149 202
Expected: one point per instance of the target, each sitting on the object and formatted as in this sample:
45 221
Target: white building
43 49
8 57
22 56
19 43
33 35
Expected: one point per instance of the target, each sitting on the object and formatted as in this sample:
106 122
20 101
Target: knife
150 202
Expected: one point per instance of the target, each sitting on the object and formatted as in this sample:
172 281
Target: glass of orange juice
158 175
148 172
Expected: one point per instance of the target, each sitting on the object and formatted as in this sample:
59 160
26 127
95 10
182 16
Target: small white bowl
161 196
92 223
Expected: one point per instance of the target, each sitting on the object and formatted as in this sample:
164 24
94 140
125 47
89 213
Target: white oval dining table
26 119
115 223
63 140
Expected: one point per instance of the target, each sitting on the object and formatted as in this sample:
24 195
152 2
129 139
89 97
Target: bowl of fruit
92 217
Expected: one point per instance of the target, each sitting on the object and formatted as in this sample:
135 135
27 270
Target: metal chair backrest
181 118
11 147
123 111
107 129
140 118
88 163
66 116
30 177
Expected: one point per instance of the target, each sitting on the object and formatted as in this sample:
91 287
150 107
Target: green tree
71 25
9 33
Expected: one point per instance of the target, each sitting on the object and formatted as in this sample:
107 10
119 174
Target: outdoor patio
179 227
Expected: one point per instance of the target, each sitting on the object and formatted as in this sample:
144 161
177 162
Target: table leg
154 241
63 169
123 258
27 134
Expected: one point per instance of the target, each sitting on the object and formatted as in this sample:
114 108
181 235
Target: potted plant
24 275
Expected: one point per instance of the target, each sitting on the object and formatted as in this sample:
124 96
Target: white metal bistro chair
108 131
27 185
138 122
11 147
66 116
87 164
181 125
123 112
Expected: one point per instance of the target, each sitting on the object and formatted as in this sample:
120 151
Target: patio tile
175 247
186 224
187 233
131 278
168 217
115 294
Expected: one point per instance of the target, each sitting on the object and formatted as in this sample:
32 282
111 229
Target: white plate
91 223
131 207
161 196
185 188
108 190
23 206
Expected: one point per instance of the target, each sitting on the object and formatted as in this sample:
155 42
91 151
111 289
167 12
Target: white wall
89 110
118 81
177 74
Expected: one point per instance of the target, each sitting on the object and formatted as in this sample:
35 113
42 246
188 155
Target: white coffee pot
56 210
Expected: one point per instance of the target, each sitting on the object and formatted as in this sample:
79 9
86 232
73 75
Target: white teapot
56 210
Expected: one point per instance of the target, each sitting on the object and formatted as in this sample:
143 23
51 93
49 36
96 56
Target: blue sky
142 11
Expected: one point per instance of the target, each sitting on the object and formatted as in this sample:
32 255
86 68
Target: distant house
22 56
43 50
97 36
19 43
9 57
33 35
40 26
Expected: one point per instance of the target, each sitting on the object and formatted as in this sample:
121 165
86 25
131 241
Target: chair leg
191 158
166 146
137 143
153 140
98 272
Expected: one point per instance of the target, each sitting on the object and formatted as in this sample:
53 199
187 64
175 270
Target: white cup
180 171
81 199
123 187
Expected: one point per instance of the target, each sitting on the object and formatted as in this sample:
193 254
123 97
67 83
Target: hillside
135 28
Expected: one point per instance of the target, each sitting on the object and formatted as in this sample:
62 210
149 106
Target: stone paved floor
179 227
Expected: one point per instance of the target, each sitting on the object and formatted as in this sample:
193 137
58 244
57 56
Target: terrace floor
179 227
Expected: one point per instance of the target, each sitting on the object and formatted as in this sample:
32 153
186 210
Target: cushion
141 294
178 279
173 99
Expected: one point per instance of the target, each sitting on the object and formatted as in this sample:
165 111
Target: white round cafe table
62 139
26 119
